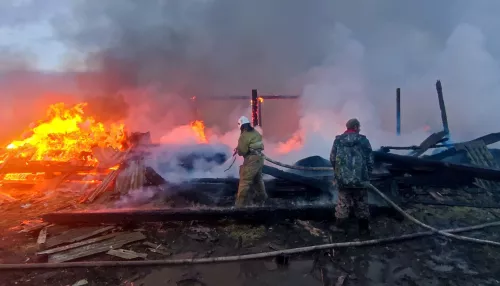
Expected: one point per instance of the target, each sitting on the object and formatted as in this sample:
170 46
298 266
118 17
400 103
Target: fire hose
285 165
236 258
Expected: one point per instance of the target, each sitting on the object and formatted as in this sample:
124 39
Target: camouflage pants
355 198
251 187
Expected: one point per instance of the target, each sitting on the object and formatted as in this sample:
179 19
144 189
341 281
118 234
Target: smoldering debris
180 163
137 197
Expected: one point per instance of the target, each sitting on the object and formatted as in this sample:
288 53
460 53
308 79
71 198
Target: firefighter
251 187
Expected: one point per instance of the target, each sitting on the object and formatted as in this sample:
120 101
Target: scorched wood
410 162
43 167
487 139
306 212
296 178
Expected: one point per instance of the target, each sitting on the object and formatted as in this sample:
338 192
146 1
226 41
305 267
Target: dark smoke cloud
345 57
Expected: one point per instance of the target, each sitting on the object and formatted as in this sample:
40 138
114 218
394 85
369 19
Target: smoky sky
344 57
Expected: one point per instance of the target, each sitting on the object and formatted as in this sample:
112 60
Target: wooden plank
95 248
77 234
42 238
131 177
103 186
126 254
78 244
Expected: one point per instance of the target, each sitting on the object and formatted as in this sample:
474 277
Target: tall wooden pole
398 111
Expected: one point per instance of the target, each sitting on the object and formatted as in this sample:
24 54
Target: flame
67 134
292 144
198 127
261 100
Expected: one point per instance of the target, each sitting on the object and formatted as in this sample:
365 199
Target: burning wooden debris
112 170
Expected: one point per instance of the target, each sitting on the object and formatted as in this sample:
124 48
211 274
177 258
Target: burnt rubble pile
80 224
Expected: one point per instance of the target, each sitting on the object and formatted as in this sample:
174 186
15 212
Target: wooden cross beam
256 101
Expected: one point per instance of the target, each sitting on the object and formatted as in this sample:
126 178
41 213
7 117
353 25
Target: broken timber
430 141
266 213
426 165
91 249
479 155
487 140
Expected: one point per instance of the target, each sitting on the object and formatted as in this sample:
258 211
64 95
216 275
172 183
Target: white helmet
243 120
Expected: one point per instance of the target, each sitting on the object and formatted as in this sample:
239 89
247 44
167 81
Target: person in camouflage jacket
352 162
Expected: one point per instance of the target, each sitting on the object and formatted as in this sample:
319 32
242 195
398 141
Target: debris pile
66 192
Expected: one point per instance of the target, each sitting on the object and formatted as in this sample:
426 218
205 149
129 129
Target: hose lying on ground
235 258
408 216
297 167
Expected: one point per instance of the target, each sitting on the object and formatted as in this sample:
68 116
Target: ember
66 134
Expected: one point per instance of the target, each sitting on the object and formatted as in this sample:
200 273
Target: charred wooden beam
430 141
487 139
442 107
267 213
296 178
244 97
388 148
260 111
153 178
398 111
410 162
455 204
254 101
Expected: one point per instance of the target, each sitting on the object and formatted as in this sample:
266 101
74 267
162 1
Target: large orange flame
66 134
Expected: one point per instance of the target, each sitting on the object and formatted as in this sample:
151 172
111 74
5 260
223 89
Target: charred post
260 111
398 111
254 102
442 107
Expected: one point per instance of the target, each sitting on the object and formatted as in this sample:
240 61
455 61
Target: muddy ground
425 261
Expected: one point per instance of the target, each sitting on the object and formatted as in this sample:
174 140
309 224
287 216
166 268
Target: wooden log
266 213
